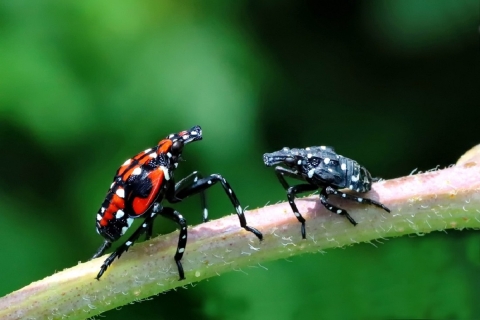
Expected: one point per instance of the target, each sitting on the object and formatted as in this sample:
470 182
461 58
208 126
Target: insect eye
177 146
289 161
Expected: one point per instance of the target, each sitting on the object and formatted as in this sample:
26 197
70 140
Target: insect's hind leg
145 227
107 244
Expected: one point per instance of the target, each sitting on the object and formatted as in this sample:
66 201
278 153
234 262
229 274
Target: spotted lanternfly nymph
321 168
139 187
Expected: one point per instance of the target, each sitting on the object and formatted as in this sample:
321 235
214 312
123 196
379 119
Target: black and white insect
321 168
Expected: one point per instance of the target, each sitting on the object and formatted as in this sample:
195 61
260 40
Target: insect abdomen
357 177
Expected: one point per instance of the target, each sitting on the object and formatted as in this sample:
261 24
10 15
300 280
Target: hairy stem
420 203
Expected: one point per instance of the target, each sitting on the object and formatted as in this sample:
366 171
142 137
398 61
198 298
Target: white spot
120 192
355 178
175 164
102 209
166 173
137 171
205 213
171 136
153 213
144 225
181 250
359 199
113 183
99 217
297 214
309 155
169 154
128 243
152 155
184 236
358 190
350 187
180 216
323 147
185 137
209 181
126 163
239 210
148 150
124 229
285 149
326 160
196 179
193 133
330 208
339 211
330 170
230 191
119 214
98 231
344 195
299 162
129 222
307 148
343 166
310 173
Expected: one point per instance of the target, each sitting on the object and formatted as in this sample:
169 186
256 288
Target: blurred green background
85 85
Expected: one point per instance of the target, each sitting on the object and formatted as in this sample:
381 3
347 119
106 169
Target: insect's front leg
201 185
170 188
282 172
291 193
185 183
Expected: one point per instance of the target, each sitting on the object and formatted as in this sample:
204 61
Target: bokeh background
85 85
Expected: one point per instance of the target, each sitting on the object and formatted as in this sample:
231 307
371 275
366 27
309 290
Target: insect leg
131 240
175 216
205 183
291 193
330 190
184 183
281 172
324 200
107 244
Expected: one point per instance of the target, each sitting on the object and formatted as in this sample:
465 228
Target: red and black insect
139 187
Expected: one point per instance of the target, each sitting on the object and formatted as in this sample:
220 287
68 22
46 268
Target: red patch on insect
164 146
140 205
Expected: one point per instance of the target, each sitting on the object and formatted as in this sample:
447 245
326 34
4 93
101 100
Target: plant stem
420 203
